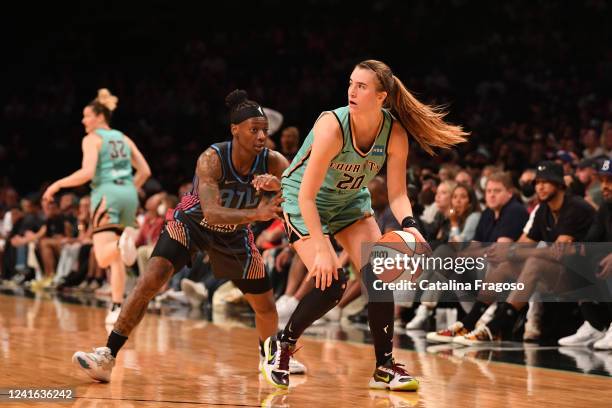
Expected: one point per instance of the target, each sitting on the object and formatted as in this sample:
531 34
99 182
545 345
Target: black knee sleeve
314 305
368 277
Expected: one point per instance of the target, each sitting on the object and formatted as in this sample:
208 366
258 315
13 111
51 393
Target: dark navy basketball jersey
236 191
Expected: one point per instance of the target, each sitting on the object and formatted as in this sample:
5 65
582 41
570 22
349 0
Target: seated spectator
586 173
560 218
606 140
527 189
150 229
24 231
75 259
290 142
464 214
502 221
434 232
464 177
597 327
592 148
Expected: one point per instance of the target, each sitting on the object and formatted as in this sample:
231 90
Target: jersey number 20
350 182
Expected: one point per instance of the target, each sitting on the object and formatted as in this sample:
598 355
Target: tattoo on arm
209 172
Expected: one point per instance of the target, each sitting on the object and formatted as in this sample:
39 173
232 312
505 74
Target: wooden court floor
183 363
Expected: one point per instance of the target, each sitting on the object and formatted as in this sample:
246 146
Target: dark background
514 73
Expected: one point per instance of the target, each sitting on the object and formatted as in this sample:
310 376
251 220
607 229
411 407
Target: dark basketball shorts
232 255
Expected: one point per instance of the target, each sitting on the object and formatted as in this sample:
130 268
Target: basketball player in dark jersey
228 194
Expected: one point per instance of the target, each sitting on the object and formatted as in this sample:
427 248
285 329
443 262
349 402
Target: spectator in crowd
561 218
150 229
606 141
26 223
586 174
527 189
501 222
74 260
464 177
290 142
459 227
597 316
50 239
592 148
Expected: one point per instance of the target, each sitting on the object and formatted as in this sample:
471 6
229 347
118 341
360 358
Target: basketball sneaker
586 336
419 321
480 335
127 246
605 343
392 376
447 335
276 362
98 365
295 366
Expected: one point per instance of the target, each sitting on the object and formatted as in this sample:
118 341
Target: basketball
397 253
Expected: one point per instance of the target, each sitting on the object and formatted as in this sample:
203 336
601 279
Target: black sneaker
275 367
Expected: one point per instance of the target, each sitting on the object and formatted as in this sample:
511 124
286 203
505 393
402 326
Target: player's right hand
269 208
324 269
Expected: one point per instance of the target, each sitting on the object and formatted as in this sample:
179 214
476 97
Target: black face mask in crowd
528 190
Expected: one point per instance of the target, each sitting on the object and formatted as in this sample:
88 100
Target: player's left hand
266 182
420 239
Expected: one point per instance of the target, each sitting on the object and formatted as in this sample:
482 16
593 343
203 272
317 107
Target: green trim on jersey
114 159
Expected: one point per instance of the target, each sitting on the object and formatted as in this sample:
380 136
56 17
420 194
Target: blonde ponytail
423 122
107 99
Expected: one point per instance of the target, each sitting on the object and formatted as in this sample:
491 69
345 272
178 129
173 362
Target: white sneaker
178 296
105 290
585 336
98 365
112 315
286 309
334 315
605 343
487 316
195 292
419 320
127 246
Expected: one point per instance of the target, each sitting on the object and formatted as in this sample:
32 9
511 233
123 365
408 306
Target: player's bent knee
158 271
